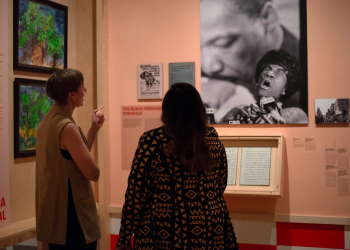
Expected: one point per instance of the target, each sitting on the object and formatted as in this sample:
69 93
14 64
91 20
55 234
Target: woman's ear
72 95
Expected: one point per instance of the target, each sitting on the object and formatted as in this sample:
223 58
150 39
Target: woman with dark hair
174 198
66 215
284 81
277 79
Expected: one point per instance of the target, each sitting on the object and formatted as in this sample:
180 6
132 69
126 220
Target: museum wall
158 31
167 31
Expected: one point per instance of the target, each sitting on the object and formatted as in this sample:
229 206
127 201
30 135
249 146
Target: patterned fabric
167 207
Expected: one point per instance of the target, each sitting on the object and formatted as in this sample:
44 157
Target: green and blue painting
41 33
33 106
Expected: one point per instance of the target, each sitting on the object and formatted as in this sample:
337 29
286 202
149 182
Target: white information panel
232 157
255 166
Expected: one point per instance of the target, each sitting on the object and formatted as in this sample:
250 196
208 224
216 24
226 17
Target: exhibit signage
232 158
255 166
4 128
135 121
182 72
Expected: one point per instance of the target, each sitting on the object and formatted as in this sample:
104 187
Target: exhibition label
4 128
135 121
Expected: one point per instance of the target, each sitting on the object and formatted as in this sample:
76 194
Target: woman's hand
97 121
98 118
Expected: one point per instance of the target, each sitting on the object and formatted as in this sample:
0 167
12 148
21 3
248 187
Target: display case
255 165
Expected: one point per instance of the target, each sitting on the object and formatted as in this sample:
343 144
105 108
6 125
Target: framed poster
150 81
39 35
235 37
182 72
30 105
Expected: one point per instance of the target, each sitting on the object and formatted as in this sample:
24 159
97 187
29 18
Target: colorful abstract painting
40 29
31 105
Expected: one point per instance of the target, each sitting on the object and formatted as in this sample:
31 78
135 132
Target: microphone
261 112
267 103
210 115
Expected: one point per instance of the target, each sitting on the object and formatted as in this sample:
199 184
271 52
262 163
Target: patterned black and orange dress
167 207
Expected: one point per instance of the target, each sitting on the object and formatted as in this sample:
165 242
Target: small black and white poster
150 81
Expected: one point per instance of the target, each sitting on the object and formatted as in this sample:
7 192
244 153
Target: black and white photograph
254 61
150 81
332 111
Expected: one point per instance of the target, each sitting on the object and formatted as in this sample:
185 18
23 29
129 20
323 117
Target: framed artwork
182 72
39 35
30 105
150 81
332 111
237 35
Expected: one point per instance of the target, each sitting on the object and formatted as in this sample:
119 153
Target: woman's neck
69 107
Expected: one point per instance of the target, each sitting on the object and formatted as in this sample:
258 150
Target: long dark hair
184 117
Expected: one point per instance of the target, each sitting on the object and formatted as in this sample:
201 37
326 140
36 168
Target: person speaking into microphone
277 79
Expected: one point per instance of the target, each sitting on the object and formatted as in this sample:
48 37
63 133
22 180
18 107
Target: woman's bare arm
71 140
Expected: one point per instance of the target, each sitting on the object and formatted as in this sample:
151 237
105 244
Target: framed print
182 72
332 111
39 35
150 81
30 105
254 61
